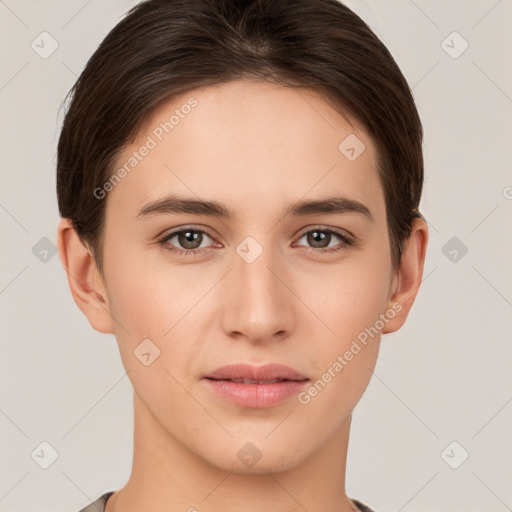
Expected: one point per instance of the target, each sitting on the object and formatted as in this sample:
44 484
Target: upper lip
247 371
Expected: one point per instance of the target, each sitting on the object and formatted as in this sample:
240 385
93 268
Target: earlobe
84 280
408 278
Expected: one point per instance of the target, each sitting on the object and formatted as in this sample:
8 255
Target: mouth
252 381
256 387
249 374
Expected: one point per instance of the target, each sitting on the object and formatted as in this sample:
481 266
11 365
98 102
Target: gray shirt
99 504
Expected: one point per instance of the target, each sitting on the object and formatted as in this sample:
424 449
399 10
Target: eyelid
332 229
175 231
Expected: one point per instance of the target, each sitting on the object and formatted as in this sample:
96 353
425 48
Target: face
268 281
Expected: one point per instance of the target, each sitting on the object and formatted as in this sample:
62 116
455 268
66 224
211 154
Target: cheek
347 297
135 300
157 303
150 305
348 303
145 299
345 356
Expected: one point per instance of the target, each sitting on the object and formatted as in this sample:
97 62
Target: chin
247 458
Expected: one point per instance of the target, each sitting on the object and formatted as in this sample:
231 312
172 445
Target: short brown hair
166 47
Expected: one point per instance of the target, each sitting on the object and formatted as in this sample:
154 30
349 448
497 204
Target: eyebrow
174 204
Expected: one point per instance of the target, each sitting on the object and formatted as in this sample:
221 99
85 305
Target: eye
320 240
191 241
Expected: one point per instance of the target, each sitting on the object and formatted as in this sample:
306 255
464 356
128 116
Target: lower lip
256 395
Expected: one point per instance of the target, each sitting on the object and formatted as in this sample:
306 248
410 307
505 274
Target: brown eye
187 240
190 239
320 239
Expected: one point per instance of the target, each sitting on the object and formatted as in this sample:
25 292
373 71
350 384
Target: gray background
444 377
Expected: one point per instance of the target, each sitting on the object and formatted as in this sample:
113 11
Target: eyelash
347 241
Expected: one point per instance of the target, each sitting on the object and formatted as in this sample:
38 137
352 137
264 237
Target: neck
167 476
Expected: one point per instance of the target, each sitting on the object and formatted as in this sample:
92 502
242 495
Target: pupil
318 237
188 239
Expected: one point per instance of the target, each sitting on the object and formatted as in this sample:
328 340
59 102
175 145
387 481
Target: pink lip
247 371
256 395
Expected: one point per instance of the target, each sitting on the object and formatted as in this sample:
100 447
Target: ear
84 279
407 280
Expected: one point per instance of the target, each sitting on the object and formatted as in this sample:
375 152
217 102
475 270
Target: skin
256 148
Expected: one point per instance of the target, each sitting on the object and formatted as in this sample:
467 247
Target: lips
248 374
252 381
255 386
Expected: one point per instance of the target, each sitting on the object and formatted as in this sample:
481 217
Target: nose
258 303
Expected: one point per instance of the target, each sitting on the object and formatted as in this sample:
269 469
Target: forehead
250 143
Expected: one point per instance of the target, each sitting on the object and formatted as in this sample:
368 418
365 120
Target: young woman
239 184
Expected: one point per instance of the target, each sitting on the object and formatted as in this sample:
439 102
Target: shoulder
361 506
99 504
